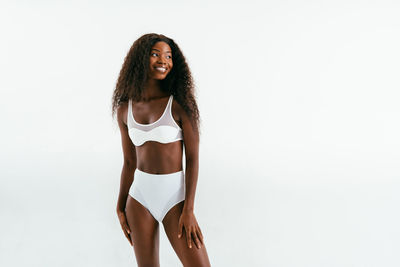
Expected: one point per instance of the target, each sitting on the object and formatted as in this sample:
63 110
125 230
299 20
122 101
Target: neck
152 90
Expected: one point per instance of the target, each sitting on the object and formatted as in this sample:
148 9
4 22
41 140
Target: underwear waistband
161 174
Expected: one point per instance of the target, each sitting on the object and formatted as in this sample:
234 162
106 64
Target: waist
177 173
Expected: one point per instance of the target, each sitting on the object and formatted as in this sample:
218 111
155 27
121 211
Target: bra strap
128 117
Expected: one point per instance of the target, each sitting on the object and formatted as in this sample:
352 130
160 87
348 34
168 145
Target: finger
200 235
200 230
196 241
179 230
189 239
128 237
124 223
126 227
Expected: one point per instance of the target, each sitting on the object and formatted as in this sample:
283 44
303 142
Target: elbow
192 160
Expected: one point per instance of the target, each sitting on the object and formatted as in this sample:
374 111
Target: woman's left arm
187 219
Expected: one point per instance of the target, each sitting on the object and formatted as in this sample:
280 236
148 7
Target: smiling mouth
161 69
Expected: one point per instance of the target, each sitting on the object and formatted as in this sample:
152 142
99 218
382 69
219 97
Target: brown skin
138 225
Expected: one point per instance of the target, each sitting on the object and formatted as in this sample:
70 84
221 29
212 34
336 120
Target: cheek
152 60
150 65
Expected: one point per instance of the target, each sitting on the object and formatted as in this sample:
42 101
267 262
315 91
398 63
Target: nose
162 61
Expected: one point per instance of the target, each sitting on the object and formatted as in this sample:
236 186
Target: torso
154 157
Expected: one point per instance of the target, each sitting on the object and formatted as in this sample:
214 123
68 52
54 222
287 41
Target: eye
154 53
169 56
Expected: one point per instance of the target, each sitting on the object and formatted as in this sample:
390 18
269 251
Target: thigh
144 233
190 257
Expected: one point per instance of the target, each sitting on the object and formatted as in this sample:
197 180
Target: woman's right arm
128 168
129 153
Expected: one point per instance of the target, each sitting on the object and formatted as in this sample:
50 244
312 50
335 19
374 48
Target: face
160 61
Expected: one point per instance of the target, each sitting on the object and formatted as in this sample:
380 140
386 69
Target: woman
157 113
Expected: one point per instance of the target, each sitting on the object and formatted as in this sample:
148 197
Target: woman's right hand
124 225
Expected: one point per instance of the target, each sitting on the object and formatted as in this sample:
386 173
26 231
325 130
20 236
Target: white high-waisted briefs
158 193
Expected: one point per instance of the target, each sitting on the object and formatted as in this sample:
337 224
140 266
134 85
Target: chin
160 77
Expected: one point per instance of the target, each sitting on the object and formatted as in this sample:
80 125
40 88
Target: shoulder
122 111
178 109
181 113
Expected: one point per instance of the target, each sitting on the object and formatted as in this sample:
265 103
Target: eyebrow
160 51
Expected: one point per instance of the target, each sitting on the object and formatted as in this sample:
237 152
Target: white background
299 152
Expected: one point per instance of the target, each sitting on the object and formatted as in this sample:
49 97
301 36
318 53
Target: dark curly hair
133 75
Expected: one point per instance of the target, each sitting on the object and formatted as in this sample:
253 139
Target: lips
161 69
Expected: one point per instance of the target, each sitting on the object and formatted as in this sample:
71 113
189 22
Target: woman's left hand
188 220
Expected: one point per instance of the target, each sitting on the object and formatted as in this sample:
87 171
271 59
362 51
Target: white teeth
161 69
